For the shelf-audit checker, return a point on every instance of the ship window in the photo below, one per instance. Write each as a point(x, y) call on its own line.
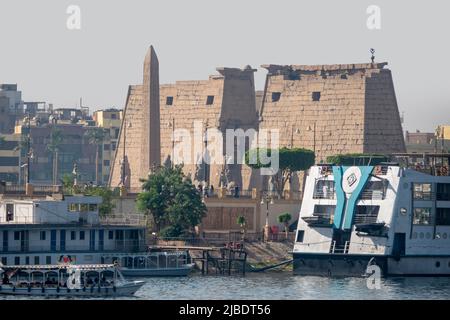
point(93, 207)
point(73, 235)
point(81, 235)
point(36, 260)
point(43, 235)
point(73, 207)
point(443, 216)
point(17, 261)
point(169, 101)
point(366, 214)
point(422, 191)
point(84, 207)
point(110, 234)
point(325, 212)
point(300, 235)
point(422, 216)
point(374, 190)
point(4, 261)
point(27, 260)
point(210, 100)
point(48, 259)
point(324, 189)
point(443, 192)
point(9, 212)
point(16, 235)
point(276, 96)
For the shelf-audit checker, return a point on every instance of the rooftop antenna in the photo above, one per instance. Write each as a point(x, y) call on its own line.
point(372, 51)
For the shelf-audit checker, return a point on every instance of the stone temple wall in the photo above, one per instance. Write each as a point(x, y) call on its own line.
point(333, 108)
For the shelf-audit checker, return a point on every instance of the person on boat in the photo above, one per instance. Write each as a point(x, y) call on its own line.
point(5, 279)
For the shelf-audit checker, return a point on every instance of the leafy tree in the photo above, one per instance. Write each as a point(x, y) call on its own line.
point(108, 195)
point(96, 136)
point(242, 222)
point(67, 183)
point(285, 218)
point(172, 201)
point(290, 161)
point(355, 159)
point(54, 145)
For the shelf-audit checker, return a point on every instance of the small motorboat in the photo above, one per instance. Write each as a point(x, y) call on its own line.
point(152, 264)
point(66, 280)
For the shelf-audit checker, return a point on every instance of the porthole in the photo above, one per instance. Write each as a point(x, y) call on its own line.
point(414, 235)
point(428, 236)
point(421, 235)
point(438, 264)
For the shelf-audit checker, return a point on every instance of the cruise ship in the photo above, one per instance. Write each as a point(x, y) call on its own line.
point(393, 215)
point(48, 228)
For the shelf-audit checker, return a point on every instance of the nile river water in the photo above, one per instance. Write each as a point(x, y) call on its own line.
point(285, 286)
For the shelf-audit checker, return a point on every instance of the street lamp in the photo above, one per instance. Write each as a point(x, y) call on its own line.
point(267, 199)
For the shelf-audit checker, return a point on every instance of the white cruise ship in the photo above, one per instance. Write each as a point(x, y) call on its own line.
point(391, 215)
point(46, 230)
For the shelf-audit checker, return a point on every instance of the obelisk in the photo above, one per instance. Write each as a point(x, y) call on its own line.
point(151, 139)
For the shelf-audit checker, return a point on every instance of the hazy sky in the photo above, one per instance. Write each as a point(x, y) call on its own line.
point(193, 37)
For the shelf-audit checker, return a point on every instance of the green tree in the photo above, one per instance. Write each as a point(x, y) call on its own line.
point(172, 200)
point(54, 145)
point(285, 218)
point(96, 136)
point(67, 183)
point(242, 222)
point(289, 162)
point(108, 195)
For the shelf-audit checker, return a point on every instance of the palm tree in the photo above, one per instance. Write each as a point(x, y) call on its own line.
point(242, 222)
point(284, 218)
point(96, 136)
point(56, 138)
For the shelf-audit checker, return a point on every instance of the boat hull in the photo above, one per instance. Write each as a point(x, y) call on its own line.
point(355, 265)
point(127, 289)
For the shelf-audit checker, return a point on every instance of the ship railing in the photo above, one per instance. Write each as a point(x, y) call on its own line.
point(107, 246)
point(319, 194)
point(373, 195)
point(424, 195)
point(125, 219)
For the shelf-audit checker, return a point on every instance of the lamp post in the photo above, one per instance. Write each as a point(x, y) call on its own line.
point(266, 199)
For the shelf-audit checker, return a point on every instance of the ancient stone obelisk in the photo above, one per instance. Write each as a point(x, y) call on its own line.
point(151, 139)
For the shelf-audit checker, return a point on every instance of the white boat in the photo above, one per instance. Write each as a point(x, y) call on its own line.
point(103, 280)
point(152, 264)
point(391, 215)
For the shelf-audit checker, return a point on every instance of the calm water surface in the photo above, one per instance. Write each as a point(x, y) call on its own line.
point(285, 286)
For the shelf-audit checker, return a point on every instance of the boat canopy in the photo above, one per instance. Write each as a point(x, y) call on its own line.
point(86, 267)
